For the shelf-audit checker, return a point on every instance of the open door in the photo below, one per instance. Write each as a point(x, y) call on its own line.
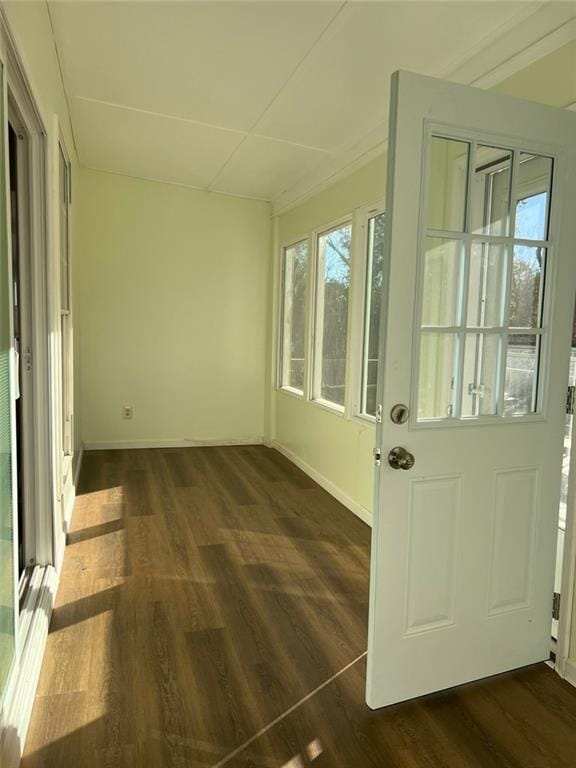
point(481, 251)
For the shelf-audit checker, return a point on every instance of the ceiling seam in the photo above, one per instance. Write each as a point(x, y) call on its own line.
point(165, 115)
point(299, 64)
point(65, 91)
point(200, 123)
point(154, 180)
point(278, 92)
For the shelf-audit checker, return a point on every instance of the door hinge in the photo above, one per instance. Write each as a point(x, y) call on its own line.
point(377, 453)
point(570, 397)
point(556, 606)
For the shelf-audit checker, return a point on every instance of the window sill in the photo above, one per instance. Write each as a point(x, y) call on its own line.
point(290, 392)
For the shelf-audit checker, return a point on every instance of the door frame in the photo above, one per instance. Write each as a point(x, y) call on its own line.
point(39, 456)
point(565, 667)
point(26, 382)
point(32, 617)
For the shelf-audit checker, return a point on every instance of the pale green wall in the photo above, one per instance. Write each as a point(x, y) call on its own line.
point(551, 80)
point(173, 288)
point(339, 449)
point(364, 186)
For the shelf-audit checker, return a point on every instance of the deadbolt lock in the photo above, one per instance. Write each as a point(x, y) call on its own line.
point(399, 413)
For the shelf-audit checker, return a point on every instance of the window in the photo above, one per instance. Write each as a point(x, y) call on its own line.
point(323, 377)
point(293, 339)
point(331, 321)
point(482, 277)
point(372, 309)
point(65, 304)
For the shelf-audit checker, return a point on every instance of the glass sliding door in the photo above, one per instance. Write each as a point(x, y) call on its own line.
point(7, 532)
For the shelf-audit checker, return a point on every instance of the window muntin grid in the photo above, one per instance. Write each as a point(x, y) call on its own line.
point(482, 281)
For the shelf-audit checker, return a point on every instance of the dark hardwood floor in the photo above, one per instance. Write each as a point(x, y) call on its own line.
point(212, 612)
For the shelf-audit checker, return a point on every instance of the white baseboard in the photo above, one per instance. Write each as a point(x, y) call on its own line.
point(78, 466)
point(328, 485)
point(68, 499)
point(17, 711)
point(177, 443)
point(570, 672)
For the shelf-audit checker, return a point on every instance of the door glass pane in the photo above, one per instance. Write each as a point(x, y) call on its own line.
point(525, 287)
point(436, 381)
point(7, 532)
point(441, 282)
point(491, 190)
point(486, 285)
point(534, 183)
point(521, 374)
point(334, 255)
point(294, 315)
point(374, 276)
point(480, 379)
point(448, 170)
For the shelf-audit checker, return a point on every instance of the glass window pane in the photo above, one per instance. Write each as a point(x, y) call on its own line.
point(486, 285)
point(525, 287)
point(447, 175)
point(64, 244)
point(480, 380)
point(374, 276)
point(491, 191)
point(436, 375)
point(334, 258)
point(294, 315)
point(441, 282)
point(534, 182)
point(7, 532)
point(521, 375)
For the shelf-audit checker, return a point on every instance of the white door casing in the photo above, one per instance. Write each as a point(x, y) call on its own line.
point(463, 544)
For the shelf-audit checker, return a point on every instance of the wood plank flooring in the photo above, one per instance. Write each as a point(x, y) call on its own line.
point(212, 605)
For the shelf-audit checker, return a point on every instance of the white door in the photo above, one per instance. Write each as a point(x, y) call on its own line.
point(481, 247)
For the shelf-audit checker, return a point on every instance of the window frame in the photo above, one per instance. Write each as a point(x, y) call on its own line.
point(517, 148)
point(280, 386)
point(66, 319)
point(360, 305)
point(316, 337)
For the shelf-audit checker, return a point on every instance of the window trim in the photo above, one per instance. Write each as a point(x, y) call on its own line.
point(359, 301)
point(355, 341)
point(66, 323)
point(314, 382)
point(280, 387)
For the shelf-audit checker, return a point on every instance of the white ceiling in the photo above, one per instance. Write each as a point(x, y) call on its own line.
point(251, 98)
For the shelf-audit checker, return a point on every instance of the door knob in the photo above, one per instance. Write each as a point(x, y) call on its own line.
point(400, 458)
